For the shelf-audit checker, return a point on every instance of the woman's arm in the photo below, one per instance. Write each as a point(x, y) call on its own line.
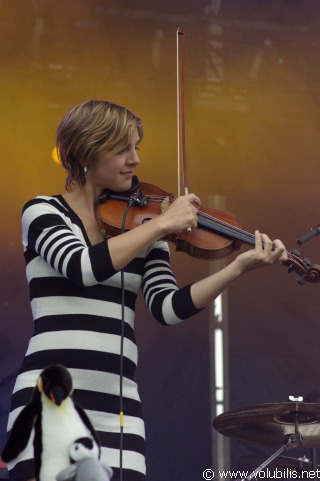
point(50, 236)
point(265, 253)
point(171, 305)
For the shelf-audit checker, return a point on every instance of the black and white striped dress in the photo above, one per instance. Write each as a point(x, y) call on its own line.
point(76, 301)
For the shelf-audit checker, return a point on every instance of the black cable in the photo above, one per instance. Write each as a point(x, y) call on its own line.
point(138, 200)
point(121, 348)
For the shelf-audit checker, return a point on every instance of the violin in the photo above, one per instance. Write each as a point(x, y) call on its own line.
point(217, 234)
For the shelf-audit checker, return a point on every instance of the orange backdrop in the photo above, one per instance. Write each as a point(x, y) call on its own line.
point(252, 96)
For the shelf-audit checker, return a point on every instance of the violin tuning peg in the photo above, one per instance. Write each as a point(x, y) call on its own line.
point(301, 280)
point(296, 252)
point(291, 268)
point(307, 261)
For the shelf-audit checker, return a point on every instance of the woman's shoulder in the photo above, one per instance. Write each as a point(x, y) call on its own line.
point(45, 211)
point(45, 202)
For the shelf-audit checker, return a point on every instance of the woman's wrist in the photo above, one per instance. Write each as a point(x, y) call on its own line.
point(238, 267)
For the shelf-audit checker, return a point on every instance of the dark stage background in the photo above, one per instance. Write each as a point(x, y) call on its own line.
point(252, 97)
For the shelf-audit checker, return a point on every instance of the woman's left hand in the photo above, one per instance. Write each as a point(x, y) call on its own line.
point(266, 252)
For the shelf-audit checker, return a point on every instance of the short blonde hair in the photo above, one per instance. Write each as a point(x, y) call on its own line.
point(87, 130)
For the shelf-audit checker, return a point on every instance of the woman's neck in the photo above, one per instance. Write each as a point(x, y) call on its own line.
point(84, 202)
point(83, 199)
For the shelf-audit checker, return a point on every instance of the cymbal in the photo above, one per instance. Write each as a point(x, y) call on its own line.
point(270, 423)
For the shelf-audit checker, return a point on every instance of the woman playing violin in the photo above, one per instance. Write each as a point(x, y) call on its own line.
point(77, 278)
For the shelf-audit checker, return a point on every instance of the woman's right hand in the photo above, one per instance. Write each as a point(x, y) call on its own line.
point(181, 214)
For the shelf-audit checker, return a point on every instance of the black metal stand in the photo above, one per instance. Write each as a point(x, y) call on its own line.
point(291, 441)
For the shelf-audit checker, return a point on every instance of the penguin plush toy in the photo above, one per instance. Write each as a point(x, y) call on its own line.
point(57, 423)
point(85, 464)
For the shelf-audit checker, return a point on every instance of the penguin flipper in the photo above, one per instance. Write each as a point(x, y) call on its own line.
point(20, 432)
point(107, 469)
point(85, 419)
point(67, 474)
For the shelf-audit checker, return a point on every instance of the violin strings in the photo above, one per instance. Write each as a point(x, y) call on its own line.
point(246, 236)
point(155, 199)
point(239, 230)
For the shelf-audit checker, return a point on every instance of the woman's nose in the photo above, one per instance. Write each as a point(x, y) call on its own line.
point(134, 158)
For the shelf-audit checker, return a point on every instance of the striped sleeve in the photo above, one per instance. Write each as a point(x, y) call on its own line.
point(49, 233)
point(167, 303)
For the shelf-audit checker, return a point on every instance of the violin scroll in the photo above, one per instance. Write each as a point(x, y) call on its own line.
point(307, 271)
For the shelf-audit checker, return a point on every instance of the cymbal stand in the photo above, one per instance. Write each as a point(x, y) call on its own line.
point(290, 441)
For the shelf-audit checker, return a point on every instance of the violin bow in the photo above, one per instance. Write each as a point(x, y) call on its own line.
point(303, 267)
point(181, 42)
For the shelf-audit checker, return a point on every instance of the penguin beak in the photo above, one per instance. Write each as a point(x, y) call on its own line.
point(57, 395)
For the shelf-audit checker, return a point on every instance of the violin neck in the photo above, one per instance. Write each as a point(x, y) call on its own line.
point(226, 230)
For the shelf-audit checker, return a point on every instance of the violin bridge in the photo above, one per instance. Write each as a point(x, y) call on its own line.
point(165, 204)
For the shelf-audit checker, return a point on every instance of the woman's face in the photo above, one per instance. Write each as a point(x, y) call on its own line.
point(115, 171)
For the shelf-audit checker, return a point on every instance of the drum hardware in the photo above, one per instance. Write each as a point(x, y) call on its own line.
point(290, 467)
point(290, 424)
